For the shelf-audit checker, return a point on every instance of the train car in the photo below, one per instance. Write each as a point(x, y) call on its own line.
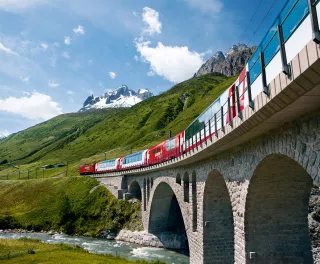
point(166, 150)
point(87, 169)
point(217, 113)
point(135, 160)
point(107, 166)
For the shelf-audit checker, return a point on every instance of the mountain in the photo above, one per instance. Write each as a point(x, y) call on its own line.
point(228, 64)
point(118, 98)
point(87, 135)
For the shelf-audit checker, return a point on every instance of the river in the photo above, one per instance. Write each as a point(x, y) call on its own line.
point(103, 246)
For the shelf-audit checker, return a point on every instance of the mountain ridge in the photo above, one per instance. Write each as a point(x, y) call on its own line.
point(121, 97)
point(229, 64)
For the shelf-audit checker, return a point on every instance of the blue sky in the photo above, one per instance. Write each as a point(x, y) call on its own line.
point(55, 53)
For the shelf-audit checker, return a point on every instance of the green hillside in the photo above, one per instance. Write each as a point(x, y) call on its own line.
point(73, 205)
point(75, 137)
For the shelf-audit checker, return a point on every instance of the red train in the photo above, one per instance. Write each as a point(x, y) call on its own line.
point(218, 114)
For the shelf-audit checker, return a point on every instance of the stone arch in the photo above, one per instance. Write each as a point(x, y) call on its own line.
point(194, 202)
point(178, 179)
point(186, 187)
point(276, 224)
point(165, 218)
point(218, 228)
point(135, 190)
point(144, 194)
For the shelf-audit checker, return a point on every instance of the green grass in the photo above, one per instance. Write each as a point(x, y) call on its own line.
point(84, 137)
point(33, 251)
point(75, 205)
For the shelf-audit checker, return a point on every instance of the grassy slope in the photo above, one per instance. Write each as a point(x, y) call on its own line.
point(141, 126)
point(33, 251)
point(74, 205)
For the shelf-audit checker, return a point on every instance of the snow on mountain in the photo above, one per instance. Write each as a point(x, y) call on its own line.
point(120, 97)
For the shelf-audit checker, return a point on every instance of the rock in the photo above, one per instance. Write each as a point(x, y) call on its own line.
point(230, 64)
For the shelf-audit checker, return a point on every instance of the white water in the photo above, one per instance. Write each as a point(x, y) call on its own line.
point(103, 246)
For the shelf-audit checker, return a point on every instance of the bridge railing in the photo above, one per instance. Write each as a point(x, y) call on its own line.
point(295, 26)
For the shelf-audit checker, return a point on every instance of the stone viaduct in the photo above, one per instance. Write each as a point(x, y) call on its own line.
point(242, 197)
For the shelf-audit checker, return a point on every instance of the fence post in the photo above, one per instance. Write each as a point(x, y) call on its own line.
point(285, 66)
point(229, 113)
point(222, 121)
point(215, 124)
point(314, 22)
point(251, 103)
point(263, 74)
point(238, 103)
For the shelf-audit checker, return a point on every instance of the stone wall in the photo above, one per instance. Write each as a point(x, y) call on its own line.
point(298, 141)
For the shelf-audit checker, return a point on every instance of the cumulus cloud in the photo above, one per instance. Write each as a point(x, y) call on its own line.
point(173, 63)
point(136, 58)
point(7, 50)
point(70, 92)
point(38, 106)
point(53, 84)
point(112, 75)
point(151, 19)
point(25, 79)
point(79, 30)
point(206, 6)
point(67, 40)
point(66, 55)
point(44, 46)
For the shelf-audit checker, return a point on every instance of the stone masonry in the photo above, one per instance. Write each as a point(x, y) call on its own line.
point(250, 204)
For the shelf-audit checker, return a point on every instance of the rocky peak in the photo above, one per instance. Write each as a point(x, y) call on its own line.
point(230, 64)
point(119, 97)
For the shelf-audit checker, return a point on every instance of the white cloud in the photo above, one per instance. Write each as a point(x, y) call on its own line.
point(151, 73)
point(7, 50)
point(135, 14)
point(67, 40)
point(136, 58)
point(175, 64)
point(19, 5)
point(38, 106)
point(79, 30)
point(44, 46)
point(70, 92)
point(66, 55)
point(151, 19)
point(53, 84)
point(206, 6)
point(25, 79)
point(4, 134)
point(112, 75)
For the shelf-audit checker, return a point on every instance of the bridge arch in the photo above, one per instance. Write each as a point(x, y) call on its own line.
point(276, 223)
point(135, 190)
point(218, 228)
point(167, 217)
